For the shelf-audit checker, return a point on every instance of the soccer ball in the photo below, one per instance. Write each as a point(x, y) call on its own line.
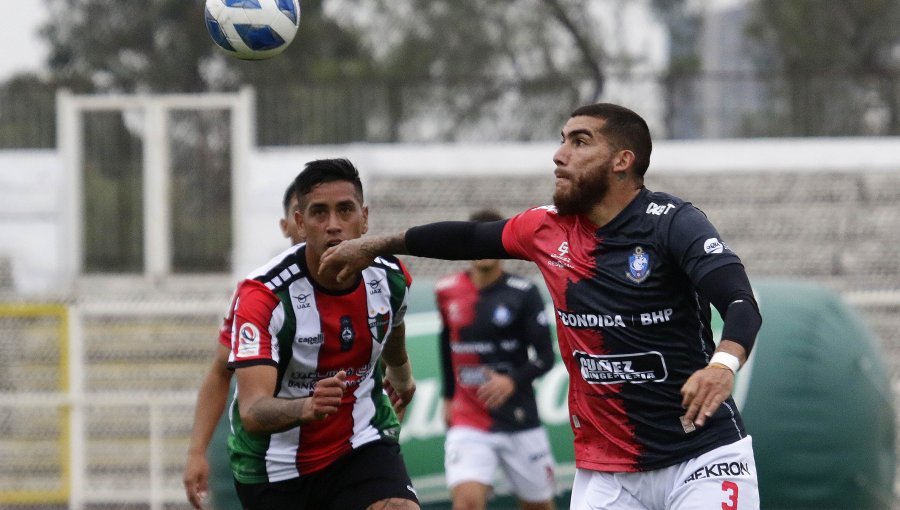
point(252, 29)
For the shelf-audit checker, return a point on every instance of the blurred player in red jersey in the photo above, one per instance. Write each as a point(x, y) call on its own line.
point(213, 393)
point(632, 274)
point(491, 319)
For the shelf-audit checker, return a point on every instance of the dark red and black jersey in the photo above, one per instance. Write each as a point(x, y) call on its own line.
point(631, 326)
point(492, 328)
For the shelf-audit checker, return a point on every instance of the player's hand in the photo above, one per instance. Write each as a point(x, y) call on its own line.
point(496, 390)
point(345, 259)
point(704, 392)
point(196, 479)
point(400, 387)
point(325, 399)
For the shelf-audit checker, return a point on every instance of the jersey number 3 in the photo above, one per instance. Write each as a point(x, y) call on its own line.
point(732, 489)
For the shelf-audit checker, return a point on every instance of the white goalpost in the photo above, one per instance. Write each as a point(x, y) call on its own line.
point(152, 112)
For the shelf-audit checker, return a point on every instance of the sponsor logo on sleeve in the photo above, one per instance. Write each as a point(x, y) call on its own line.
point(248, 340)
point(713, 245)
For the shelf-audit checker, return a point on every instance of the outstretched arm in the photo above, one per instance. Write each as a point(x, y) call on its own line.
point(447, 240)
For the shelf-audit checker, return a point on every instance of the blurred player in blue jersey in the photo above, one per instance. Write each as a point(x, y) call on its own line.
point(490, 320)
point(631, 273)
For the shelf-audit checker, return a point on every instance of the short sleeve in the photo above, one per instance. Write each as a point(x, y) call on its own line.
point(695, 244)
point(251, 342)
point(518, 233)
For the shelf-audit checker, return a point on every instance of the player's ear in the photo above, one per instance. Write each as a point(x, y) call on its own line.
point(365, 212)
point(623, 160)
point(298, 220)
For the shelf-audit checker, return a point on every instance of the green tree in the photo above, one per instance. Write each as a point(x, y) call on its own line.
point(27, 112)
point(835, 65)
point(384, 70)
point(514, 67)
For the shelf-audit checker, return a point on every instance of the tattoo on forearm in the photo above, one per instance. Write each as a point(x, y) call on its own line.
point(278, 414)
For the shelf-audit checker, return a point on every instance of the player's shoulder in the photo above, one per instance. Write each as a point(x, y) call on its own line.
point(393, 266)
point(281, 269)
point(664, 210)
point(659, 203)
point(540, 218)
point(389, 262)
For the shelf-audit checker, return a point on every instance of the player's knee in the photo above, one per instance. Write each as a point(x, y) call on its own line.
point(470, 496)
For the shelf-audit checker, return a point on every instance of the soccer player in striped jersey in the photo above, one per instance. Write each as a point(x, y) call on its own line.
point(491, 320)
point(631, 273)
point(314, 423)
point(212, 396)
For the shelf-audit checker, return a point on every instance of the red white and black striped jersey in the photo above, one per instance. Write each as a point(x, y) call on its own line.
point(282, 318)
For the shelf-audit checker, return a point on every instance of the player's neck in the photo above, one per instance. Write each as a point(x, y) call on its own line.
point(483, 278)
point(615, 201)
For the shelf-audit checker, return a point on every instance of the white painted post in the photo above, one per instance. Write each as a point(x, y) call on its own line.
point(157, 210)
point(76, 403)
point(243, 138)
point(157, 498)
point(70, 137)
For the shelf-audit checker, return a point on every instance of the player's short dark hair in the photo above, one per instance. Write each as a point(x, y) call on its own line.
point(485, 215)
point(327, 170)
point(625, 129)
point(289, 193)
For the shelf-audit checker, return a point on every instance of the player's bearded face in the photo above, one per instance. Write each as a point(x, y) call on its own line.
point(584, 190)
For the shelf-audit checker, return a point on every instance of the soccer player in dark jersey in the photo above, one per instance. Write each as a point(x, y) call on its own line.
point(321, 366)
point(631, 273)
point(490, 320)
point(212, 396)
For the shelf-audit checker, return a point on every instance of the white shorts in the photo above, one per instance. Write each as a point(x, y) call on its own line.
point(472, 455)
point(722, 478)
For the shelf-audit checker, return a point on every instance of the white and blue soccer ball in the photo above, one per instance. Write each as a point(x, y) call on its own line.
point(252, 29)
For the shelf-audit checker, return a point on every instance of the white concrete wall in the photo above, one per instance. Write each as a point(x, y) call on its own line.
point(32, 213)
point(30, 217)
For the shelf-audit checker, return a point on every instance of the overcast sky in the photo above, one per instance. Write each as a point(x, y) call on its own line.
point(22, 49)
